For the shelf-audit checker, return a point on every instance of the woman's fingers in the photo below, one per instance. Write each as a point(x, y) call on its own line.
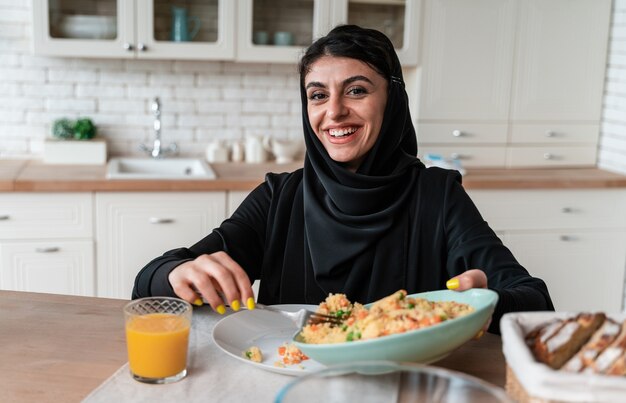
point(217, 278)
point(474, 278)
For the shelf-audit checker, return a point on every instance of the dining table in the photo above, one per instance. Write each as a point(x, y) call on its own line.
point(63, 348)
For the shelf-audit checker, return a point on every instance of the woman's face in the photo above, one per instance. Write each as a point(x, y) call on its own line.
point(346, 102)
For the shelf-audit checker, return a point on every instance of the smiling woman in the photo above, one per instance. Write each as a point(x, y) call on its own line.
point(363, 218)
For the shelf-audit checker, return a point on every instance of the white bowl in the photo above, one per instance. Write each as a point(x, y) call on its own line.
point(88, 27)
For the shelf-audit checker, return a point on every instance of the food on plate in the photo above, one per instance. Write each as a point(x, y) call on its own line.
point(290, 355)
point(587, 343)
point(253, 353)
point(393, 314)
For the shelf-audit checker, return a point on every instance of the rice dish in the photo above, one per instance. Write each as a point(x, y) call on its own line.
point(393, 314)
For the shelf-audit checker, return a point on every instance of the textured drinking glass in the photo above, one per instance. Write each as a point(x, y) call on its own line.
point(157, 338)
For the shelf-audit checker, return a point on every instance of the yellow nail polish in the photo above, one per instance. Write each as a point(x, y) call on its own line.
point(235, 305)
point(250, 303)
point(197, 302)
point(221, 309)
point(453, 284)
point(479, 334)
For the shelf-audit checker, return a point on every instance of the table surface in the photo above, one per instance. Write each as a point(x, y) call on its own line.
point(59, 348)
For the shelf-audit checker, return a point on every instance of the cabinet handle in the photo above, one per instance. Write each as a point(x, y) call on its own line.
point(4, 217)
point(49, 249)
point(549, 156)
point(457, 133)
point(567, 210)
point(128, 46)
point(142, 46)
point(157, 220)
point(550, 133)
point(567, 238)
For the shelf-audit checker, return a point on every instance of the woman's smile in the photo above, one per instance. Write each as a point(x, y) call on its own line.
point(346, 103)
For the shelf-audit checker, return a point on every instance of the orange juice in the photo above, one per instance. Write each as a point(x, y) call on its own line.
point(157, 344)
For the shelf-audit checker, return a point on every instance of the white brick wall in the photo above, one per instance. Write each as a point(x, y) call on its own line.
point(201, 101)
point(612, 147)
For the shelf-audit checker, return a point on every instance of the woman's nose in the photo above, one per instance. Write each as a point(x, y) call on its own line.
point(336, 108)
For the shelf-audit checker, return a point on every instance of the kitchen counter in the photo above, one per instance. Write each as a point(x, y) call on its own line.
point(59, 348)
point(34, 176)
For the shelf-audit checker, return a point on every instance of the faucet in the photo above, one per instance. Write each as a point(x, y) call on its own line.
point(157, 151)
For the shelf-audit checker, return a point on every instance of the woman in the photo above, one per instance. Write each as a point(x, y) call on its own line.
point(363, 217)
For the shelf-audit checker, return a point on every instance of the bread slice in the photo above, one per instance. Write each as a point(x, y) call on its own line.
point(608, 359)
point(600, 340)
point(558, 343)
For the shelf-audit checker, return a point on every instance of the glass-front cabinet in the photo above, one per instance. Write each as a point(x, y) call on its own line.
point(268, 31)
point(279, 30)
point(185, 29)
point(398, 19)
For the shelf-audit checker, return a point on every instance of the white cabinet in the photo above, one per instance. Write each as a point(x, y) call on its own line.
point(575, 240)
point(135, 29)
point(235, 197)
point(133, 228)
point(46, 243)
point(278, 31)
point(522, 79)
point(398, 19)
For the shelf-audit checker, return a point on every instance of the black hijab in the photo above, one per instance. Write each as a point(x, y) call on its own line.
point(356, 223)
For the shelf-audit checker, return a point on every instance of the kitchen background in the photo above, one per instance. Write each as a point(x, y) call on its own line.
point(201, 100)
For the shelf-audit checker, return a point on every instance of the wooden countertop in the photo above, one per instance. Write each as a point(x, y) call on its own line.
point(58, 348)
point(34, 176)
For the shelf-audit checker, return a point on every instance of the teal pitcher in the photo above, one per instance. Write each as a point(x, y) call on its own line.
point(180, 25)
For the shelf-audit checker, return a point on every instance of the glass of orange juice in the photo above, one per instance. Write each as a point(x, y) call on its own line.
point(157, 338)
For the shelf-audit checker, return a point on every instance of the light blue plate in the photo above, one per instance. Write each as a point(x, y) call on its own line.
point(422, 345)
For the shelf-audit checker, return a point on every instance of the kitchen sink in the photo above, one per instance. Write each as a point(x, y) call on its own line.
point(159, 168)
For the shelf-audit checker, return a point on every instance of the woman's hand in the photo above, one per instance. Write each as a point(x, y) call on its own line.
point(474, 278)
point(213, 276)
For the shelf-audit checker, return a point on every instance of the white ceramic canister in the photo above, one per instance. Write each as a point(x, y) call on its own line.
point(237, 152)
point(217, 151)
point(255, 151)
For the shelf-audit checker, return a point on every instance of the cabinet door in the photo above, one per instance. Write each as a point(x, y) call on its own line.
point(96, 28)
point(584, 271)
point(234, 200)
point(398, 19)
point(276, 31)
point(134, 228)
point(561, 58)
point(467, 59)
point(201, 29)
point(56, 266)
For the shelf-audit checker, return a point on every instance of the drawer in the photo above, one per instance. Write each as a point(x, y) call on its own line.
point(575, 264)
point(552, 209)
point(552, 156)
point(461, 133)
point(555, 133)
point(46, 215)
point(470, 156)
point(51, 266)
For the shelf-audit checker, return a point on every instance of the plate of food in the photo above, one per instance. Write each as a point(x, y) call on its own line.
point(263, 338)
point(421, 328)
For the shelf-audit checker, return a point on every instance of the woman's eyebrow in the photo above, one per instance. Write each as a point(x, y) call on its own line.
point(352, 79)
point(347, 81)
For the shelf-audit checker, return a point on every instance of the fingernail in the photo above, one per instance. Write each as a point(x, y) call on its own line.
point(235, 305)
point(198, 302)
point(480, 334)
point(453, 284)
point(250, 303)
point(221, 309)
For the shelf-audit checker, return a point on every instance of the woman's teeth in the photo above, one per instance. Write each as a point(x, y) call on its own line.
point(341, 132)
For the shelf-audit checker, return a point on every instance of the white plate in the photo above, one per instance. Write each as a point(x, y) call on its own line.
point(265, 329)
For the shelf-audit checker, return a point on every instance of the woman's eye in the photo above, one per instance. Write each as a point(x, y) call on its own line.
point(357, 91)
point(316, 96)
